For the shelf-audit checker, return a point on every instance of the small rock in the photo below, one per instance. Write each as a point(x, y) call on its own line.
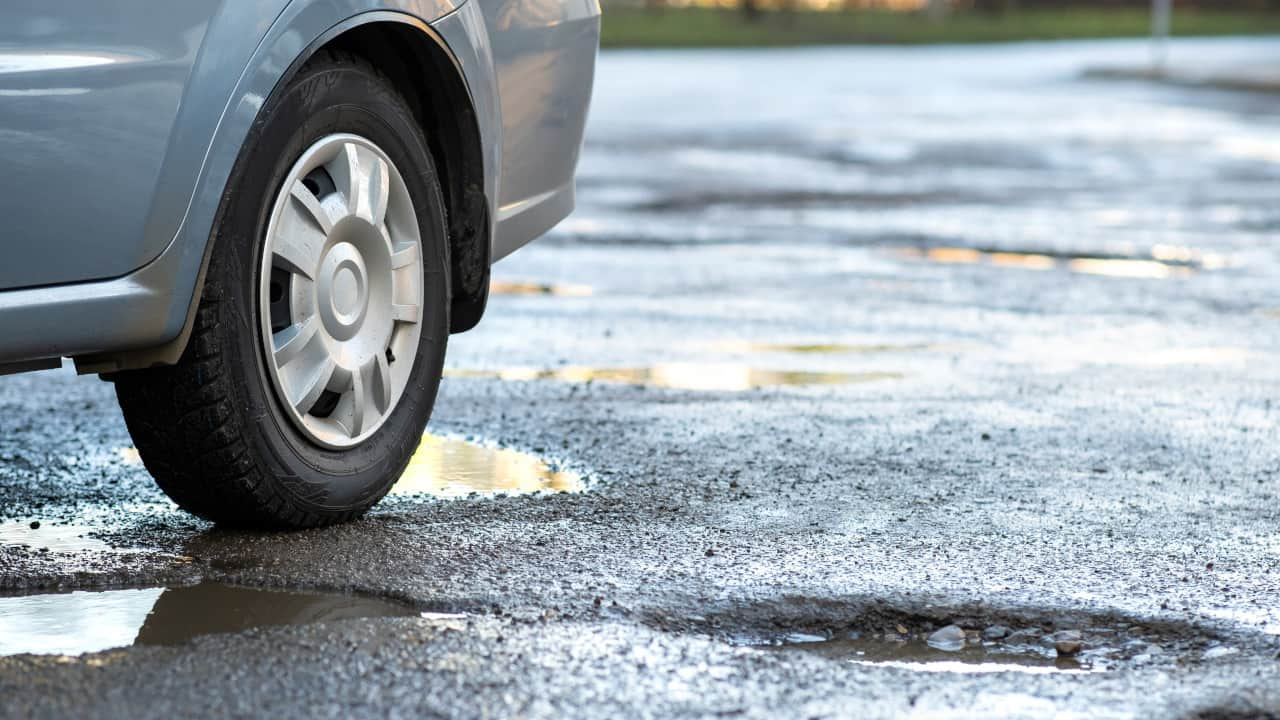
point(1066, 642)
point(986, 436)
point(35, 524)
point(995, 632)
point(1065, 636)
point(710, 552)
point(902, 629)
point(1219, 651)
point(1068, 647)
point(949, 639)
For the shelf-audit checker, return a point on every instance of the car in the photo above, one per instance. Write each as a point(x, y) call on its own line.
point(262, 220)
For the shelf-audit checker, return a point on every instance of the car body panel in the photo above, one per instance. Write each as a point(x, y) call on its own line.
point(150, 305)
point(81, 163)
point(544, 51)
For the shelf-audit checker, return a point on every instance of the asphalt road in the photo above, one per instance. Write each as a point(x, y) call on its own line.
point(846, 346)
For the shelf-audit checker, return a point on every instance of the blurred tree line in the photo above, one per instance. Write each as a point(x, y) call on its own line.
point(753, 9)
point(1008, 5)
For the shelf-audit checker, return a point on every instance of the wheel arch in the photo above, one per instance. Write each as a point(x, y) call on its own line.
point(421, 67)
point(454, 97)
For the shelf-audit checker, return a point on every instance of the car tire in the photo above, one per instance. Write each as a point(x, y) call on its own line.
point(228, 432)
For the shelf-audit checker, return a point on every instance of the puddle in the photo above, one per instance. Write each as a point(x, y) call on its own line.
point(514, 287)
point(442, 466)
point(687, 202)
point(50, 537)
point(1165, 262)
point(739, 346)
point(916, 654)
point(681, 376)
point(450, 468)
point(961, 640)
point(82, 622)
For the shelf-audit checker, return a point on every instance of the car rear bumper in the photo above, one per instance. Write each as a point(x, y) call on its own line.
point(139, 310)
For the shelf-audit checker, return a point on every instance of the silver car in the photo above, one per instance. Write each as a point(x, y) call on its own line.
point(262, 219)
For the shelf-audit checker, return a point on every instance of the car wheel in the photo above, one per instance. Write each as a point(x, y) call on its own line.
point(320, 336)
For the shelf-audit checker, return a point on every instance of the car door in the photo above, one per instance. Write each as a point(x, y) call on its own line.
point(89, 91)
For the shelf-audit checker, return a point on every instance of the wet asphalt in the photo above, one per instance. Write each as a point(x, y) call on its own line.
point(846, 345)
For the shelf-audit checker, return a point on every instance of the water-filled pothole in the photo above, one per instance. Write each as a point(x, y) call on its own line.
point(450, 467)
point(91, 621)
point(682, 376)
point(517, 287)
point(44, 536)
point(934, 638)
point(917, 653)
point(1163, 263)
point(821, 348)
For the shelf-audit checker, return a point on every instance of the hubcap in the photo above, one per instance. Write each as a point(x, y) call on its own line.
point(340, 295)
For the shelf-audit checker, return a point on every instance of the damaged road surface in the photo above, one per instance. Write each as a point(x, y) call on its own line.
point(943, 388)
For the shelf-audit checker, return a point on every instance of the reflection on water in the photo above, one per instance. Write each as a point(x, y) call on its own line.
point(80, 622)
point(441, 466)
point(682, 376)
point(448, 467)
point(50, 536)
point(1190, 356)
point(510, 287)
point(1165, 262)
point(917, 655)
point(817, 348)
point(1127, 268)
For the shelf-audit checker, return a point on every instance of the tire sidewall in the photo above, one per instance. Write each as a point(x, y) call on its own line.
point(320, 102)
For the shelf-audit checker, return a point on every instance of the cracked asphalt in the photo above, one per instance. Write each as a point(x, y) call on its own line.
point(931, 336)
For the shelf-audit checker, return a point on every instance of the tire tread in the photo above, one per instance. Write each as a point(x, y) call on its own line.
point(183, 418)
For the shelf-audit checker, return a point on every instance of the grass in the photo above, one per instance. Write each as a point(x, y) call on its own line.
point(697, 27)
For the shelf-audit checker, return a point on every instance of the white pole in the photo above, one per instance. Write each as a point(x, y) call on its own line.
point(1161, 10)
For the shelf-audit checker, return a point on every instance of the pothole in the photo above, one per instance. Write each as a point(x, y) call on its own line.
point(91, 621)
point(1076, 647)
point(796, 199)
point(519, 287)
point(1024, 654)
point(821, 348)
point(933, 638)
point(443, 466)
point(86, 537)
point(1164, 262)
point(452, 467)
point(681, 376)
point(44, 536)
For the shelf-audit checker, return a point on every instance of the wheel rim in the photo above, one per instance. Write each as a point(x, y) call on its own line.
point(340, 290)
